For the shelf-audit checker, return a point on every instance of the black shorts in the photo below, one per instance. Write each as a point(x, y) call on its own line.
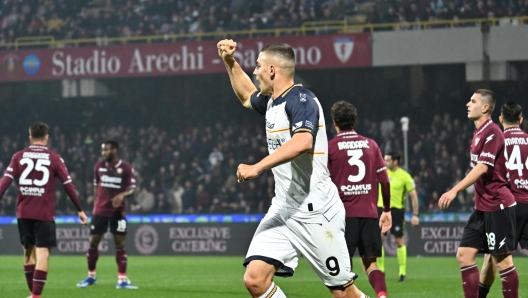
point(521, 212)
point(37, 233)
point(99, 225)
point(491, 232)
point(398, 221)
point(363, 234)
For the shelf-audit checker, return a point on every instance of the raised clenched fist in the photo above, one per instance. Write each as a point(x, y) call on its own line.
point(226, 48)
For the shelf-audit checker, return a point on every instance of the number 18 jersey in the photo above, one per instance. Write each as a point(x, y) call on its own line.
point(355, 165)
point(35, 170)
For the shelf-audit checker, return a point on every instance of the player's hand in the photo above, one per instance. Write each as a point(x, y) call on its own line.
point(446, 199)
point(83, 218)
point(117, 200)
point(415, 221)
point(385, 221)
point(226, 49)
point(247, 172)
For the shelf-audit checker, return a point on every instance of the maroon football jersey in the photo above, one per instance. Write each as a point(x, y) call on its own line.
point(516, 142)
point(355, 165)
point(492, 191)
point(35, 170)
point(111, 180)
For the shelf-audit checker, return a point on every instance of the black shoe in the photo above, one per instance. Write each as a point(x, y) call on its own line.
point(402, 278)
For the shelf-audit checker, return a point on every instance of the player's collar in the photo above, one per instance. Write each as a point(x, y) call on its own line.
point(484, 125)
point(513, 129)
point(347, 132)
point(38, 146)
point(117, 164)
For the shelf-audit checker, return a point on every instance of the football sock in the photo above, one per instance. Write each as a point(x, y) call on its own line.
point(401, 252)
point(381, 260)
point(29, 270)
point(377, 280)
point(483, 290)
point(121, 260)
point(274, 292)
point(39, 279)
point(121, 277)
point(470, 281)
point(92, 255)
point(510, 282)
point(91, 273)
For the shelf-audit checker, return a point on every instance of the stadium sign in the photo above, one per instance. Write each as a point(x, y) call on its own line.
point(193, 57)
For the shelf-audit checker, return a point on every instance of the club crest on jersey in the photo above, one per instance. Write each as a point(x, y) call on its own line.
point(343, 48)
point(477, 141)
point(119, 170)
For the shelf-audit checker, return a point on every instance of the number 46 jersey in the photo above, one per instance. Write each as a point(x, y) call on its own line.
point(35, 170)
point(356, 166)
point(516, 151)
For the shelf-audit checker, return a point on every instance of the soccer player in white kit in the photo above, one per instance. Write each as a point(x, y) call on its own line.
point(306, 216)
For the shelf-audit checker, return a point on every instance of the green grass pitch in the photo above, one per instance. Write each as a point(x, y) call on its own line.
point(190, 277)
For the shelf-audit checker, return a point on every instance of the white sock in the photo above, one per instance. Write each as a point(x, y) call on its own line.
point(273, 292)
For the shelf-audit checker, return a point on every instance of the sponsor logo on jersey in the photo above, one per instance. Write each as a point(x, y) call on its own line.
point(297, 125)
point(353, 145)
point(487, 154)
point(111, 182)
point(36, 155)
point(273, 144)
point(521, 183)
point(269, 125)
point(357, 189)
point(103, 170)
point(32, 191)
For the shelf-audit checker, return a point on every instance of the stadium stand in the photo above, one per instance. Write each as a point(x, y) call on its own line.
point(77, 19)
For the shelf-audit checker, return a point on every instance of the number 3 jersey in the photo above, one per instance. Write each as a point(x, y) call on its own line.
point(303, 187)
point(111, 180)
point(516, 153)
point(356, 166)
point(35, 170)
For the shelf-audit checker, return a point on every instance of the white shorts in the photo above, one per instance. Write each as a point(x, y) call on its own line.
point(280, 239)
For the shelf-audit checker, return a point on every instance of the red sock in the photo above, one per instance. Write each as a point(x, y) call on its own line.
point(29, 270)
point(377, 280)
point(39, 279)
point(510, 282)
point(470, 281)
point(483, 290)
point(121, 260)
point(92, 255)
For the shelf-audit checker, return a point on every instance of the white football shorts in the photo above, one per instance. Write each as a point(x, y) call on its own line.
point(280, 240)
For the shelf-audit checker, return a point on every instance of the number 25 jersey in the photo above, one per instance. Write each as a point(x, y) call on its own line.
point(35, 170)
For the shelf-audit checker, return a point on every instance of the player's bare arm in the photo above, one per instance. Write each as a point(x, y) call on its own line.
point(385, 221)
point(240, 81)
point(83, 218)
point(298, 145)
point(479, 170)
point(118, 200)
point(415, 220)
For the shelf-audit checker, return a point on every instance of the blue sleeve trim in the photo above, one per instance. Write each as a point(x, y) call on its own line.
point(259, 102)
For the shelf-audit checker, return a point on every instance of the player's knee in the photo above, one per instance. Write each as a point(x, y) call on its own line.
point(464, 258)
point(255, 283)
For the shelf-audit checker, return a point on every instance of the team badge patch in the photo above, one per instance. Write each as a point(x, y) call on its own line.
point(476, 141)
point(119, 170)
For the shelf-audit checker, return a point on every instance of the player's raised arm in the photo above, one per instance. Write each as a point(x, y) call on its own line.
point(240, 81)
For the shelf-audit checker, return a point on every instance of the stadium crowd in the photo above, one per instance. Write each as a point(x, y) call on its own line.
point(193, 171)
point(77, 19)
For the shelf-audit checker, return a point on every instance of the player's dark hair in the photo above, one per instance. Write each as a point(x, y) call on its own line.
point(113, 144)
point(344, 115)
point(395, 156)
point(490, 98)
point(38, 130)
point(511, 113)
point(280, 49)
